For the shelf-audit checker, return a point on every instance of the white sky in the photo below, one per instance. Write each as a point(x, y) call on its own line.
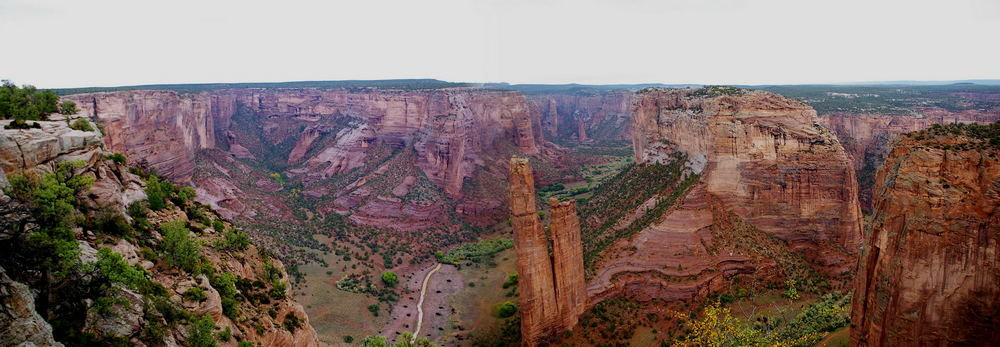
point(72, 43)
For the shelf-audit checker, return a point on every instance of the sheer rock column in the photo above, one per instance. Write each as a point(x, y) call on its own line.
point(537, 302)
point(567, 262)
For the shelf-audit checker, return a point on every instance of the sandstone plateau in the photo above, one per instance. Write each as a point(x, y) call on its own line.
point(930, 266)
point(771, 188)
point(552, 294)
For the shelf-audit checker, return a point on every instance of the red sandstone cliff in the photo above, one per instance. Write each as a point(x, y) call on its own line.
point(583, 115)
point(931, 263)
point(766, 158)
point(868, 137)
point(771, 182)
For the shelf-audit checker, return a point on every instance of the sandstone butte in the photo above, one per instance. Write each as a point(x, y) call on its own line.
point(767, 171)
point(552, 295)
point(929, 270)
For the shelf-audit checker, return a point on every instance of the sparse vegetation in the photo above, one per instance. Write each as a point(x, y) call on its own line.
point(474, 251)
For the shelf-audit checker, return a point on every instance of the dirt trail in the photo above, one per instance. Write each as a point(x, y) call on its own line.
point(420, 303)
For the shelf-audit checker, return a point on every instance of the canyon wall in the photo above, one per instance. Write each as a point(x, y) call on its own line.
point(450, 129)
point(163, 128)
point(583, 115)
point(762, 191)
point(930, 266)
point(867, 137)
point(767, 159)
point(551, 289)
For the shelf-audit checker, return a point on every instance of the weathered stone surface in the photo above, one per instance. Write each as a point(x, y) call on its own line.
point(537, 297)
point(767, 159)
point(868, 137)
point(931, 263)
point(123, 318)
point(40, 150)
point(161, 127)
point(19, 322)
point(567, 262)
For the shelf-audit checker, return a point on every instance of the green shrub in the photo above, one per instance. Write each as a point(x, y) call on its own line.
point(115, 269)
point(225, 335)
point(186, 194)
point(200, 333)
point(112, 222)
point(506, 309)
point(390, 278)
point(181, 248)
point(373, 308)
point(278, 289)
point(475, 250)
point(82, 125)
point(233, 240)
point(67, 108)
point(118, 158)
point(511, 281)
point(244, 344)
point(195, 294)
point(292, 322)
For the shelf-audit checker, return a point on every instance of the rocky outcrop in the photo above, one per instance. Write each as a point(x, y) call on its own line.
point(766, 158)
point(116, 309)
point(42, 149)
point(20, 324)
point(552, 295)
point(930, 264)
point(567, 262)
point(868, 137)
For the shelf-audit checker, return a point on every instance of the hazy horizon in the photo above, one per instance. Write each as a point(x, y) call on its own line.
point(738, 42)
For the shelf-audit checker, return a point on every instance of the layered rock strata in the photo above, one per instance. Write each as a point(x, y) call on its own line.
point(551, 289)
point(931, 263)
point(766, 158)
point(584, 115)
point(868, 137)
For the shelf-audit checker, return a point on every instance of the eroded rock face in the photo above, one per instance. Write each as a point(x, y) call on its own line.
point(584, 115)
point(37, 151)
point(868, 138)
point(537, 297)
point(766, 158)
point(552, 293)
point(20, 323)
point(42, 149)
point(929, 269)
point(567, 262)
point(161, 127)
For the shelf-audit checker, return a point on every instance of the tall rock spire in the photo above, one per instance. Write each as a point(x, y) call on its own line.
point(552, 290)
point(537, 301)
point(567, 262)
